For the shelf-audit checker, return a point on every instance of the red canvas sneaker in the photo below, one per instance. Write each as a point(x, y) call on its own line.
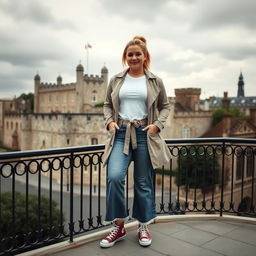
point(118, 233)
point(144, 235)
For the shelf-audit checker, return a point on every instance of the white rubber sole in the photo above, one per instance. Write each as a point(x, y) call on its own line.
point(107, 245)
point(145, 243)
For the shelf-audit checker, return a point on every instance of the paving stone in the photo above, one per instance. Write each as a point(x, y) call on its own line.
point(172, 246)
point(216, 227)
point(168, 228)
point(230, 247)
point(194, 236)
point(244, 234)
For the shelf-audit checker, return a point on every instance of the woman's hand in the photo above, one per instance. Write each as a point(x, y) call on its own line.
point(113, 126)
point(151, 128)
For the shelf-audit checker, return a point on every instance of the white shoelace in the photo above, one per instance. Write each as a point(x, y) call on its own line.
point(113, 233)
point(143, 230)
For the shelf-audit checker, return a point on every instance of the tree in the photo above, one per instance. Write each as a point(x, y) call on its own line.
point(197, 167)
point(30, 227)
point(219, 113)
point(29, 102)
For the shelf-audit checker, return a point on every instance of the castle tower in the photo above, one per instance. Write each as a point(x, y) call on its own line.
point(104, 73)
point(79, 88)
point(59, 80)
point(36, 90)
point(188, 98)
point(240, 91)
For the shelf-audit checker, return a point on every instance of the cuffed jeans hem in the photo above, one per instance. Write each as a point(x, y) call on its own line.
point(106, 222)
point(146, 223)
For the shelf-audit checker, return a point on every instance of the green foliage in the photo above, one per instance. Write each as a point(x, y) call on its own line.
point(197, 168)
point(28, 96)
point(99, 105)
point(219, 113)
point(29, 99)
point(33, 225)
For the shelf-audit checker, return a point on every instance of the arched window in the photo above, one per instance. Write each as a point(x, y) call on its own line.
point(94, 141)
point(186, 132)
point(94, 96)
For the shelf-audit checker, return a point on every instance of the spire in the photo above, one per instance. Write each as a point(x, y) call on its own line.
point(240, 91)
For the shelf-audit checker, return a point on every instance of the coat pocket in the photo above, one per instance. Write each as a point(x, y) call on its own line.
point(158, 150)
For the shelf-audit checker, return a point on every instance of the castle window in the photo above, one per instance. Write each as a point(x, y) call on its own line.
point(94, 141)
point(93, 98)
point(11, 125)
point(68, 141)
point(7, 125)
point(16, 126)
point(186, 132)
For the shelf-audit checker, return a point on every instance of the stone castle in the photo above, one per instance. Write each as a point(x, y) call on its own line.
point(64, 114)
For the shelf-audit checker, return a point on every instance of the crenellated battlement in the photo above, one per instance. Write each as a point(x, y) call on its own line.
point(54, 86)
point(194, 114)
point(93, 78)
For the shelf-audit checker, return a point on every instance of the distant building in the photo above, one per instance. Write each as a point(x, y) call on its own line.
point(241, 166)
point(187, 119)
point(64, 114)
point(241, 101)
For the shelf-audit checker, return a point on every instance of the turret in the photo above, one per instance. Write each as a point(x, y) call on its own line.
point(37, 80)
point(104, 73)
point(79, 88)
point(59, 80)
point(79, 72)
point(240, 91)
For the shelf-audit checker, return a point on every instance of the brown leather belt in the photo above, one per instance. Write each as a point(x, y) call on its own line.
point(130, 134)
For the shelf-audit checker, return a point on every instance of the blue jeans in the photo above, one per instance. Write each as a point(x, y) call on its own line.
point(118, 163)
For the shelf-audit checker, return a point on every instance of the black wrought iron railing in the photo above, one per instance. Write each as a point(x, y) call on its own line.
point(50, 195)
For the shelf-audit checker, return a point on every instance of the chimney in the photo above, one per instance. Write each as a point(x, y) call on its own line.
point(253, 116)
point(225, 101)
point(226, 125)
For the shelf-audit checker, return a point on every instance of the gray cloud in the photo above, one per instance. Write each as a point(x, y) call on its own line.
point(134, 9)
point(33, 11)
point(219, 13)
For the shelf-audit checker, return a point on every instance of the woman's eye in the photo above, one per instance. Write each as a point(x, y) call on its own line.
point(130, 55)
point(138, 54)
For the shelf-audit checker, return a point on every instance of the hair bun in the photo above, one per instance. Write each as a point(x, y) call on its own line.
point(141, 38)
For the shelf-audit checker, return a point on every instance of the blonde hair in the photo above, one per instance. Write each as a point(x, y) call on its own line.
point(142, 42)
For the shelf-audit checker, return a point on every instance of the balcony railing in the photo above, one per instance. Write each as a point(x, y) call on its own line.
point(50, 195)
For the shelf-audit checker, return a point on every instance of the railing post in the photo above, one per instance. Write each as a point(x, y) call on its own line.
point(71, 223)
point(223, 150)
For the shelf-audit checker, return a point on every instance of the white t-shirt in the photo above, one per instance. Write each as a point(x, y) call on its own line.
point(133, 98)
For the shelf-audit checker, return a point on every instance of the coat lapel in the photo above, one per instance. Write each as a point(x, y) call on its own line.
point(153, 89)
point(115, 93)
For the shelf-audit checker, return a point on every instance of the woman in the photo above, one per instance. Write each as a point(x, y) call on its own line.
point(135, 111)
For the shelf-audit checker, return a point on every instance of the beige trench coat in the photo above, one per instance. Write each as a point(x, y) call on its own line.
point(158, 111)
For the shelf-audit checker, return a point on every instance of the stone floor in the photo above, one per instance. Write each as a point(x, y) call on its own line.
point(181, 238)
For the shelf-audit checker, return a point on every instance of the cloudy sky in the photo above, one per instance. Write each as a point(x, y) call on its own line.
point(193, 43)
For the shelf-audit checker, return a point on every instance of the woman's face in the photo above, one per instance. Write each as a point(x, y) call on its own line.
point(135, 57)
